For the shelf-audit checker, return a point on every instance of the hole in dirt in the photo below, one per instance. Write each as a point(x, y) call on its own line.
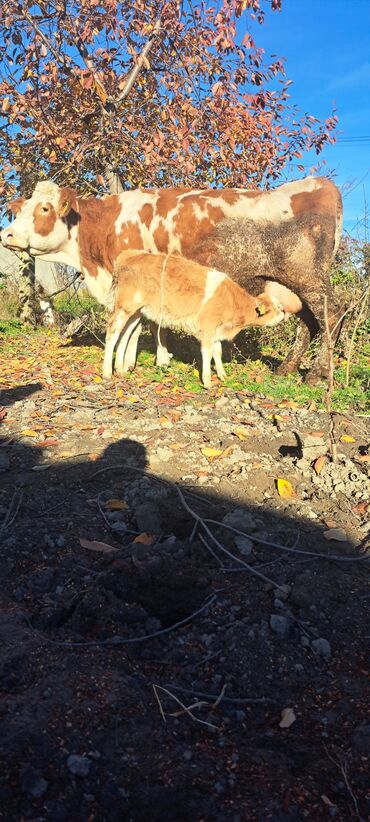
point(172, 605)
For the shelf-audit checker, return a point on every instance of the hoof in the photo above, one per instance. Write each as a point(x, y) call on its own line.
point(286, 368)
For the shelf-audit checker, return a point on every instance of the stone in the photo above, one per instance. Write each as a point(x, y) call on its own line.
point(240, 519)
point(321, 647)
point(148, 518)
point(280, 625)
point(78, 765)
point(244, 545)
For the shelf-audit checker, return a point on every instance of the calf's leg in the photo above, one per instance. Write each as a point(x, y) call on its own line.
point(217, 356)
point(163, 356)
point(131, 329)
point(116, 322)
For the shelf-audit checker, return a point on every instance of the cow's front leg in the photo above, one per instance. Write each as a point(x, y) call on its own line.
point(163, 356)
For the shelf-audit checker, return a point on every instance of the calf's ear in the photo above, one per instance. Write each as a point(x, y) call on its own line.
point(260, 307)
point(16, 205)
point(67, 201)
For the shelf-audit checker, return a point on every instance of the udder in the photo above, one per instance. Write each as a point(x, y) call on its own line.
point(288, 300)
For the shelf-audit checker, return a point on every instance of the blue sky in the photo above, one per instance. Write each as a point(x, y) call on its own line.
point(326, 44)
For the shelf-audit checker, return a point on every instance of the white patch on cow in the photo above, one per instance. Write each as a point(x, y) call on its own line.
point(272, 206)
point(131, 203)
point(137, 298)
point(199, 212)
point(98, 286)
point(214, 279)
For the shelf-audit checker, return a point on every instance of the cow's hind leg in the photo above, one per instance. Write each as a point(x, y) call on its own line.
point(320, 367)
point(307, 328)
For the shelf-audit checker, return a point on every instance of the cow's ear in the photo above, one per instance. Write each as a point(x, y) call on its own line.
point(16, 205)
point(67, 201)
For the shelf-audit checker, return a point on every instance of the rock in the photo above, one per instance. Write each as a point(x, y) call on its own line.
point(32, 783)
point(78, 765)
point(321, 647)
point(244, 545)
point(164, 454)
point(240, 519)
point(280, 625)
point(148, 518)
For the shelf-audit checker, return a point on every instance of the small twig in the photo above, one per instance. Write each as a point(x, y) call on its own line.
point(185, 709)
point(235, 700)
point(220, 697)
point(330, 388)
point(357, 323)
point(12, 511)
point(343, 767)
point(137, 639)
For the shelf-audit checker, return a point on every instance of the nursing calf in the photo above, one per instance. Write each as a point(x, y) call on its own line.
point(180, 294)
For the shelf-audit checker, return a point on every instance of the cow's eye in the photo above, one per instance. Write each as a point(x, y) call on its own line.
point(44, 209)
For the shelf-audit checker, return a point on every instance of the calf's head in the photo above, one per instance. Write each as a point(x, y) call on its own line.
point(269, 310)
point(42, 223)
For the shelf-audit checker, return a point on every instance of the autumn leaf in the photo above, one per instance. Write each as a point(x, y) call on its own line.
point(347, 438)
point(101, 547)
point(144, 539)
point(319, 464)
point(241, 433)
point(211, 453)
point(362, 458)
point(29, 432)
point(285, 489)
point(115, 505)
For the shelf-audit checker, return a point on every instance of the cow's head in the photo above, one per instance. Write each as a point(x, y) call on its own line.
point(42, 224)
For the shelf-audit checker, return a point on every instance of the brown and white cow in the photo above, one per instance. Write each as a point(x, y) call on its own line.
point(178, 293)
point(288, 234)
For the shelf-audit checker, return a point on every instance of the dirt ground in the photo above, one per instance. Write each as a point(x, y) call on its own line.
point(156, 665)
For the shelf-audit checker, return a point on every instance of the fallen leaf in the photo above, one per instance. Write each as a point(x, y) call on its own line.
point(285, 488)
point(100, 430)
point(362, 458)
point(102, 547)
point(227, 452)
point(287, 718)
point(319, 464)
point(241, 433)
point(316, 434)
point(115, 505)
point(3, 414)
point(337, 534)
point(211, 453)
point(144, 539)
point(48, 443)
point(361, 508)
point(312, 406)
point(29, 432)
point(347, 438)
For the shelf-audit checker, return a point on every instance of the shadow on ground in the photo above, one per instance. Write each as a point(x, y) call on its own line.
point(147, 679)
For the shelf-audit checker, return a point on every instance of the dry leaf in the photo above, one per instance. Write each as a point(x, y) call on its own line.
point(28, 432)
point(347, 438)
point(102, 547)
point(362, 458)
point(285, 488)
point(338, 534)
point(145, 539)
point(319, 464)
point(287, 718)
point(241, 433)
point(227, 452)
point(361, 508)
point(115, 505)
point(211, 453)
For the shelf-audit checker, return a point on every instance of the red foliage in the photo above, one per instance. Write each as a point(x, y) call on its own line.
point(204, 109)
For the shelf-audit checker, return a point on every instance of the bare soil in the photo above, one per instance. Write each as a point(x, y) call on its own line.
point(145, 681)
